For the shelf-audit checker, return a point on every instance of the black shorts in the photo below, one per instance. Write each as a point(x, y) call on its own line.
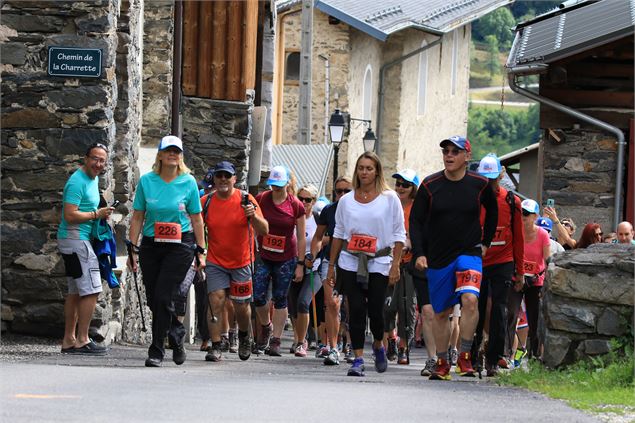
point(421, 288)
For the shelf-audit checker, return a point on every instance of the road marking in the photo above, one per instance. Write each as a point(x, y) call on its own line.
point(45, 396)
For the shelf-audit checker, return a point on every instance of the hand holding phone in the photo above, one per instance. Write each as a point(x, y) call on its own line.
point(550, 202)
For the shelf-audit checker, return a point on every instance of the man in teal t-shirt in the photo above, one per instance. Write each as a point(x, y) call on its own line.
point(80, 202)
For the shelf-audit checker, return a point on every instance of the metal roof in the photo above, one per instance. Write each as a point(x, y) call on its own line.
point(570, 31)
point(309, 163)
point(379, 19)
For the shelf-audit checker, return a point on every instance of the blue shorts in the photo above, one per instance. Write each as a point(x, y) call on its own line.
point(446, 285)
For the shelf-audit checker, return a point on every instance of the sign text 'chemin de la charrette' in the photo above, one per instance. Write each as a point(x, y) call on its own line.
point(70, 61)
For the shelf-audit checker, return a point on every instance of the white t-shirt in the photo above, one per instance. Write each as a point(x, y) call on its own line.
point(310, 228)
point(382, 218)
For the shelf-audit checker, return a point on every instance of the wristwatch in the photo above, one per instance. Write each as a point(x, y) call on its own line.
point(200, 250)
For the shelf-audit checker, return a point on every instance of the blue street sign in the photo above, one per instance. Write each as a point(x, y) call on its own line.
point(71, 61)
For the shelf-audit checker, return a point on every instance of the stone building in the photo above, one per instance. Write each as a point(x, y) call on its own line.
point(363, 63)
point(586, 95)
point(136, 98)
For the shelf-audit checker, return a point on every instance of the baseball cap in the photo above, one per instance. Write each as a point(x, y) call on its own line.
point(225, 166)
point(207, 182)
point(545, 223)
point(459, 141)
point(278, 176)
point(170, 141)
point(490, 166)
point(531, 206)
point(407, 175)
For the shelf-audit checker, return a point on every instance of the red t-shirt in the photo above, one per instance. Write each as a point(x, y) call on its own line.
point(281, 242)
point(227, 235)
point(506, 247)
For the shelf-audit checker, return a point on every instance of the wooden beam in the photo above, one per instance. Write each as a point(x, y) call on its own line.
point(589, 98)
point(597, 69)
point(234, 50)
point(219, 51)
point(551, 118)
point(204, 80)
point(250, 35)
point(190, 47)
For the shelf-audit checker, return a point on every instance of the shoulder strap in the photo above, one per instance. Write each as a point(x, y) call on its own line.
point(511, 200)
point(206, 205)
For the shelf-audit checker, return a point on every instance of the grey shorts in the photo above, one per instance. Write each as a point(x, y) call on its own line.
point(237, 281)
point(82, 267)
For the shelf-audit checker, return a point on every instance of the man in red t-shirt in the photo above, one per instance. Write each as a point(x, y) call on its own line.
point(229, 220)
point(503, 260)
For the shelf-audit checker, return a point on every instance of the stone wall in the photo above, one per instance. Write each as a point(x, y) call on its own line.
point(579, 174)
point(158, 40)
point(588, 299)
point(215, 130)
point(47, 123)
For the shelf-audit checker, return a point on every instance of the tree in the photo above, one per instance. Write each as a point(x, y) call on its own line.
point(497, 23)
point(493, 63)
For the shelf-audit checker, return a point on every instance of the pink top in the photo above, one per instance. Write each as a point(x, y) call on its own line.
point(534, 257)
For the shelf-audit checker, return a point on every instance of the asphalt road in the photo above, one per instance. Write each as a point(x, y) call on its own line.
point(41, 385)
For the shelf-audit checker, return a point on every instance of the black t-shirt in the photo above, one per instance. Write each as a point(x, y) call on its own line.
point(327, 218)
point(445, 218)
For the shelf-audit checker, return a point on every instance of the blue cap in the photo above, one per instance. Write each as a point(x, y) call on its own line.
point(225, 166)
point(279, 176)
point(545, 223)
point(490, 166)
point(459, 141)
point(408, 175)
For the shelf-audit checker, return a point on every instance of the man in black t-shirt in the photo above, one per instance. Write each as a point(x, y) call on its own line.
point(448, 240)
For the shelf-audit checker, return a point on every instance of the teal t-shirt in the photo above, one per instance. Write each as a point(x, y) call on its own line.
point(82, 192)
point(167, 202)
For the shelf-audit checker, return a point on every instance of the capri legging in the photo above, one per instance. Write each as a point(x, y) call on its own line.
point(364, 302)
point(280, 274)
point(300, 294)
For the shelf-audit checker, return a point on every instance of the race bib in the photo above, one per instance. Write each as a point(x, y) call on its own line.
point(468, 280)
point(499, 236)
point(530, 268)
point(362, 244)
point(240, 291)
point(167, 232)
point(274, 243)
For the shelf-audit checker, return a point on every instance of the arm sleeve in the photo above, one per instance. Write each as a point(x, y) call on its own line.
point(488, 200)
point(398, 227)
point(418, 218)
point(139, 202)
point(73, 194)
point(518, 240)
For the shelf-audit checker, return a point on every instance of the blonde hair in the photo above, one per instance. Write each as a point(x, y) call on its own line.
point(380, 183)
point(292, 183)
point(343, 178)
point(181, 167)
point(311, 189)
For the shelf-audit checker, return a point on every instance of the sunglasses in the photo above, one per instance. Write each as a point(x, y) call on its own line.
point(305, 199)
point(342, 191)
point(223, 175)
point(527, 213)
point(404, 184)
point(567, 224)
point(451, 151)
point(599, 233)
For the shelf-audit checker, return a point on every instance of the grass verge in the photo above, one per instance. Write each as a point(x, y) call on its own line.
point(602, 385)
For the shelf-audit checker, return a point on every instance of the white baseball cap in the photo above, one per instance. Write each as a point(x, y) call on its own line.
point(531, 206)
point(170, 141)
point(490, 166)
point(278, 176)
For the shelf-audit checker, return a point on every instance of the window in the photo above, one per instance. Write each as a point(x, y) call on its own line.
point(368, 93)
point(455, 59)
point(292, 66)
point(423, 81)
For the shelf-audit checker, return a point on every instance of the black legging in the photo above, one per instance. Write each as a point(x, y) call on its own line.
point(404, 305)
point(364, 302)
point(532, 304)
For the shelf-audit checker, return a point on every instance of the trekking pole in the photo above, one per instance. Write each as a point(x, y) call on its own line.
point(404, 300)
point(129, 247)
point(314, 306)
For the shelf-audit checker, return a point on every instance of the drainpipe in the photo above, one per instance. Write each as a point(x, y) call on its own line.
point(327, 93)
point(530, 69)
point(176, 69)
point(382, 88)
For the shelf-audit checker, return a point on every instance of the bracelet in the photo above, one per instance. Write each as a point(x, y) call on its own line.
point(94, 215)
point(300, 263)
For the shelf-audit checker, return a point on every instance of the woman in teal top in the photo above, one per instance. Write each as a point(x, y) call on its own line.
point(168, 211)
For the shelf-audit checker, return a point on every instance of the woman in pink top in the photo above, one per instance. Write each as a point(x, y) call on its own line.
point(537, 251)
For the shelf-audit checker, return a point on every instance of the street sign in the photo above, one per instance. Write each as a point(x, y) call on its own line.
point(70, 61)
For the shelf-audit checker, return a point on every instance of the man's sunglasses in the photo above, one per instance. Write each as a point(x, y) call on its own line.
point(223, 175)
point(451, 151)
point(340, 191)
point(403, 184)
point(305, 199)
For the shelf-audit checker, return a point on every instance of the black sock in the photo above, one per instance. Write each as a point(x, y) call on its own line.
point(242, 334)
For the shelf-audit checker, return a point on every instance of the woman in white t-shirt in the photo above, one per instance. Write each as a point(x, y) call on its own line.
point(370, 234)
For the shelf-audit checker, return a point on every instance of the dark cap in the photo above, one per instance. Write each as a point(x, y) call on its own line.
point(225, 166)
point(460, 142)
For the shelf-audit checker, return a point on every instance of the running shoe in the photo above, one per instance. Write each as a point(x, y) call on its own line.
point(429, 367)
point(357, 369)
point(518, 357)
point(381, 363)
point(178, 355)
point(322, 351)
point(402, 357)
point(292, 348)
point(244, 347)
point(349, 356)
point(453, 354)
point(391, 354)
point(312, 346)
point(214, 353)
point(491, 370)
point(265, 335)
point(333, 358)
point(274, 347)
point(299, 350)
point(464, 365)
point(224, 343)
point(233, 342)
point(441, 370)
point(503, 363)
